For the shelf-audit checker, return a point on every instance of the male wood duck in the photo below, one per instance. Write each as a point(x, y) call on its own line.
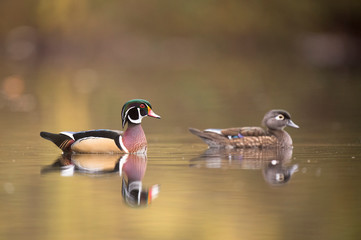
point(252, 137)
point(132, 140)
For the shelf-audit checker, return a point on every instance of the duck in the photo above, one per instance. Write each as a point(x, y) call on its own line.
point(132, 140)
point(272, 136)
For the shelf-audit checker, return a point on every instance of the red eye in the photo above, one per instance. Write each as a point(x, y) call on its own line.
point(142, 105)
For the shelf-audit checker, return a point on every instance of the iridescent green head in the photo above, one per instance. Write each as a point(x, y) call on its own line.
point(135, 110)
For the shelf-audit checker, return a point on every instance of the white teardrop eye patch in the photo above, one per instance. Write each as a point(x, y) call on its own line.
point(279, 117)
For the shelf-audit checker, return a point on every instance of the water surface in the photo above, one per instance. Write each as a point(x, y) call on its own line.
point(71, 65)
point(312, 192)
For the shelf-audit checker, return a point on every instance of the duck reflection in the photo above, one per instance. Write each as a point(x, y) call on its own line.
point(131, 168)
point(89, 164)
point(133, 193)
point(275, 163)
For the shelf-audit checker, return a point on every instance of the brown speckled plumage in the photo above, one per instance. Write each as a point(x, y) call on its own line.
point(252, 137)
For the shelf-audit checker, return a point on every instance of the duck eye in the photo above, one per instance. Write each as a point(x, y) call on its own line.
point(280, 117)
point(142, 105)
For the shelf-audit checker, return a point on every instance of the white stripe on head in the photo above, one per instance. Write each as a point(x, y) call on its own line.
point(126, 113)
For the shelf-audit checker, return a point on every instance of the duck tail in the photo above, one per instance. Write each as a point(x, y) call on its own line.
point(211, 138)
point(60, 140)
point(195, 131)
point(205, 134)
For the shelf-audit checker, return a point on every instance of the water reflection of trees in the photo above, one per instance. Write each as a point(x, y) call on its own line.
point(131, 168)
point(274, 163)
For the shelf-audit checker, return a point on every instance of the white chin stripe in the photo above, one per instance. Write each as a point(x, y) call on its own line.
point(122, 144)
point(137, 121)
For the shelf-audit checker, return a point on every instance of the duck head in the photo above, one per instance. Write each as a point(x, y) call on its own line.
point(278, 119)
point(135, 110)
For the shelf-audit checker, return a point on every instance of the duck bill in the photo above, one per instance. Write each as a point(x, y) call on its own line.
point(292, 124)
point(152, 114)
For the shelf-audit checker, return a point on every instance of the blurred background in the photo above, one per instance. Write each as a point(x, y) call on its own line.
point(71, 65)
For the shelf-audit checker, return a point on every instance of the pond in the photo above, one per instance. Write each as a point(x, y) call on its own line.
point(179, 190)
point(71, 65)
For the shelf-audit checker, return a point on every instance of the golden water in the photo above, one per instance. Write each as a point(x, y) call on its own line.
point(203, 194)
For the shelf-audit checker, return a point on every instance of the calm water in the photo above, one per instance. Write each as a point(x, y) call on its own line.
point(71, 65)
point(312, 192)
point(186, 191)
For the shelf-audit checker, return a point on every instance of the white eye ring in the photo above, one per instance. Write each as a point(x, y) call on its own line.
point(279, 117)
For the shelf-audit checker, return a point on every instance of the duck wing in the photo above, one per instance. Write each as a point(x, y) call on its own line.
point(97, 141)
point(98, 133)
point(244, 137)
point(66, 141)
point(243, 131)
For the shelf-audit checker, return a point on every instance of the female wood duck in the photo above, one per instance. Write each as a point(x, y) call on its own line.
point(132, 140)
point(252, 137)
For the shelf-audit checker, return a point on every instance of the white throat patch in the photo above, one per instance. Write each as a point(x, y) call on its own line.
point(136, 121)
